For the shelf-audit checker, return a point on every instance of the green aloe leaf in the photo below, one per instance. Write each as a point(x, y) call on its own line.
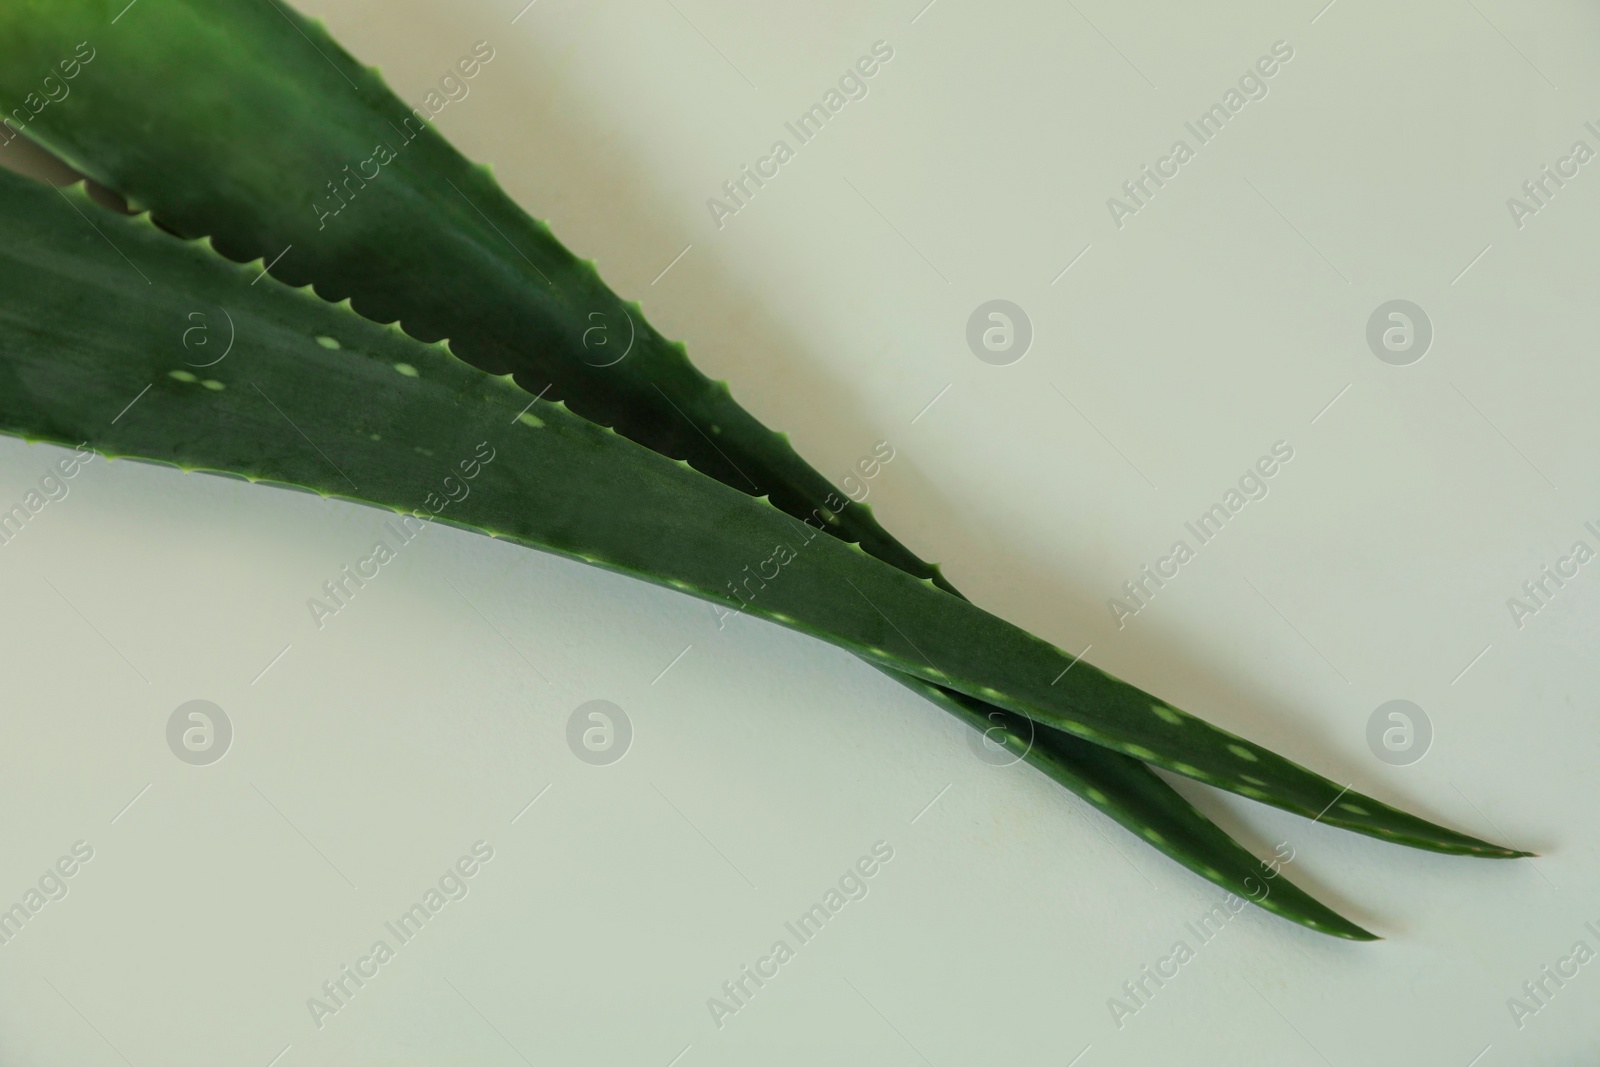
point(83, 335)
point(62, 307)
point(1148, 807)
point(277, 119)
point(303, 153)
point(490, 303)
point(1141, 803)
point(58, 275)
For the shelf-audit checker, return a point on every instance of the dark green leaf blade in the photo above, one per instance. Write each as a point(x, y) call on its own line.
point(1147, 807)
point(84, 332)
point(277, 111)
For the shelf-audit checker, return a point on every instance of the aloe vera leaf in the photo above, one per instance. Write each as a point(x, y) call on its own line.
point(304, 125)
point(284, 127)
point(345, 259)
point(82, 332)
point(365, 224)
point(242, 91)
point(1120, 786)
point(1146, 806)
point(402, 244)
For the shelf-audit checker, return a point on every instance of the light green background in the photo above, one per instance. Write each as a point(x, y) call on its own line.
point(1223, 317)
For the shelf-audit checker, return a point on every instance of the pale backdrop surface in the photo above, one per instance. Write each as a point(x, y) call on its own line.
point(1172, 347)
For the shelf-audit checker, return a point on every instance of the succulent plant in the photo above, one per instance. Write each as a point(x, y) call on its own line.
point(242, 135)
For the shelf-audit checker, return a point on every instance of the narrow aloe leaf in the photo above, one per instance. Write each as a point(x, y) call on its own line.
point(1148, 807)
point(306, 123)
point(297, 154)
point(84, 330)
point(1118, 784)
point(443, 270)
point(273, 111)
point(366, 221)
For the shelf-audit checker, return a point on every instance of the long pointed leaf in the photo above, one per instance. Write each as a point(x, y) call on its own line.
point(576, 488)
point(1148, 807)
point(280, 114)
point(1141, 802)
